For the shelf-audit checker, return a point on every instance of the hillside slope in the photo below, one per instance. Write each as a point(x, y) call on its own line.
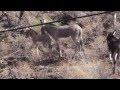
point(19, 60)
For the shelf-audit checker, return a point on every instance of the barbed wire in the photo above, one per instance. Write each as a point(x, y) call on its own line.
point(107, 12)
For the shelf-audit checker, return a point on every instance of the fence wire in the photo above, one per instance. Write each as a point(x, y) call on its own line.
point(107, 12)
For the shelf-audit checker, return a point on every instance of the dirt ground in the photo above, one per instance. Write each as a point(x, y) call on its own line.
point(20, 61)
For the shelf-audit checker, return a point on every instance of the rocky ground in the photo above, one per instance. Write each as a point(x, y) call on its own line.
point(19, 61)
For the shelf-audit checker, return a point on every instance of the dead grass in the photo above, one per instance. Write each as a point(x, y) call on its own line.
point(25, 64)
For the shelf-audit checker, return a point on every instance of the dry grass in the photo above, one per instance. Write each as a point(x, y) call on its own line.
point(19, 60)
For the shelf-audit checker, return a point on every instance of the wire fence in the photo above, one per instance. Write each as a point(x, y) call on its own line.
point(107, 12)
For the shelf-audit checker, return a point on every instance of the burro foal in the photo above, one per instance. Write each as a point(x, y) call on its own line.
point(72, 30)
point(45, 39)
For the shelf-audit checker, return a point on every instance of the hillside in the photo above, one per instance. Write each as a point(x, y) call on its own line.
point(19, 60)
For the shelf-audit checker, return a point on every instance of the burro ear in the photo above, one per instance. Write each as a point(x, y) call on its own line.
point(44, 21)
point(114, 32)
point(117, 37)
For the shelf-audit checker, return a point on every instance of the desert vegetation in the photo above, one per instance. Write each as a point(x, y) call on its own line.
point(19, 58)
